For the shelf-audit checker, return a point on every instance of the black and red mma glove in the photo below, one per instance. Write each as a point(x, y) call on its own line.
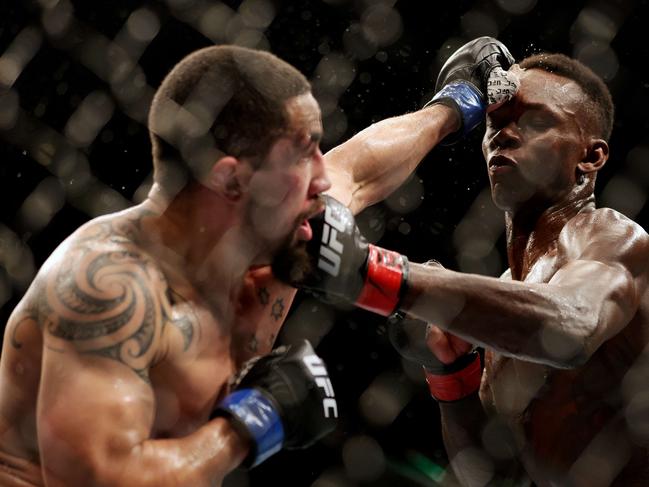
point(344, 267)
point(447, 382)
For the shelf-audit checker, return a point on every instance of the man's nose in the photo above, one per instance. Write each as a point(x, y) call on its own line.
point(506, 137)
point(320, 179)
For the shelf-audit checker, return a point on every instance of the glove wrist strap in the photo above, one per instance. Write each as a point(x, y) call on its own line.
point(256, 416)
point(453, 386)
point(468, 100)
point(385, 281)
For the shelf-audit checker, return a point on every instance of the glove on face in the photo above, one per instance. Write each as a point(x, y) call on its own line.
point(462, 83)
point(344, 267)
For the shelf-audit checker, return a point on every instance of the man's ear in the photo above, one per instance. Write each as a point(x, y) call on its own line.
point(595, 157)
point(227, 178)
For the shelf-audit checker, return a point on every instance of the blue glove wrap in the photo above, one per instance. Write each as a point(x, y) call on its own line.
point(260, 418)
point(467, 100)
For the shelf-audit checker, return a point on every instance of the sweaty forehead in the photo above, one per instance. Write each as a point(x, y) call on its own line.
point(559, 93)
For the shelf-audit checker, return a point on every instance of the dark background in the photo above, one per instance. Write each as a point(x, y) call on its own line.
point(74, 145)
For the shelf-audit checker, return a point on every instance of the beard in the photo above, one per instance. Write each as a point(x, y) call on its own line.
point(292, 263)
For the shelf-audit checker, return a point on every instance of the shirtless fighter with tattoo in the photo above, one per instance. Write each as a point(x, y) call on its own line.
point(117, 366)
point(566, 328)
point(122, 348)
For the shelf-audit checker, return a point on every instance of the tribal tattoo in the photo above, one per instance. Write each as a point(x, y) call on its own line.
point(184, 324)
point(111, 303)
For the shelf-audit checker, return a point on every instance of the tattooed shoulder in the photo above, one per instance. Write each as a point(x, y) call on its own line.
point(185, 323)
point(108, 302)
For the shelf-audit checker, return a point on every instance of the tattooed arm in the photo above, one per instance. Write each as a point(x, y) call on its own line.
point(102, 319)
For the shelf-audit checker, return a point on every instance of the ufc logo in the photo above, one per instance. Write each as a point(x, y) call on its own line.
point(318, 370)
point(331, 249)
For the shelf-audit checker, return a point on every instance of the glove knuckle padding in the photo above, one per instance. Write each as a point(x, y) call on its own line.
point(290, 385)
point(463, 81)
point(473, 62)
point(341, 267)
point(281, 400)
point(337, 251)
point(408, 336)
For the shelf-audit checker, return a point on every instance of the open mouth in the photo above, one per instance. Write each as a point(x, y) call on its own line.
point(500, 163)
point(304, 231)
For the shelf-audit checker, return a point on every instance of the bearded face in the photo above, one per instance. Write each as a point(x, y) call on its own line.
point(292, 263)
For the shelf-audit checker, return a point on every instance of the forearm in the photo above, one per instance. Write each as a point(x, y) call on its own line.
point(376, 161)
point(202, 458)
point(538, 322)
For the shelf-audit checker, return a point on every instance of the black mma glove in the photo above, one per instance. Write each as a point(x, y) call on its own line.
point(343, 266)
point(282, 400)
point(462, 81)
point(446, 382)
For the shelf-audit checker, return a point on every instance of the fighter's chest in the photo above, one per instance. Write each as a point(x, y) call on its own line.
point(187, 392)
point(513, 383)
point(193, 375)
point(541, 268)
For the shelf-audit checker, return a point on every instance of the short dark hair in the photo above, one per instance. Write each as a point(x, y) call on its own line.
point(592, 85)
point(219, 100)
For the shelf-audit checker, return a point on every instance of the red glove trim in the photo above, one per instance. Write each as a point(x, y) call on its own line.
point(457, 385)
point(386, 273)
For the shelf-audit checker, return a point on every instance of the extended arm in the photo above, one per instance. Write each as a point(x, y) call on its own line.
point(368, 167)
point(372, 164)
point(560, 323)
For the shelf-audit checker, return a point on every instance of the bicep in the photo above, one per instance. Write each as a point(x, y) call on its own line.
point(606, 297)
point(102, 316)
point(92, 412)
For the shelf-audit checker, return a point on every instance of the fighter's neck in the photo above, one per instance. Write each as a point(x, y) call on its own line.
point(533, 233)
point(200, 244)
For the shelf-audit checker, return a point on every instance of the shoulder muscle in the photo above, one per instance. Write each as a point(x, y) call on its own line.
point(108, 302)
point(607, 236)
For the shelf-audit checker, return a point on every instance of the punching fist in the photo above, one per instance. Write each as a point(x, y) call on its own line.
point(473, 77)
point(451, 365)
point(281, 400)
point(343, 266)
point(426, 344)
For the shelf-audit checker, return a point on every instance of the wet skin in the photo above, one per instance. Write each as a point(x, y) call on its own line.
point(124, 343)
point(567, 323)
